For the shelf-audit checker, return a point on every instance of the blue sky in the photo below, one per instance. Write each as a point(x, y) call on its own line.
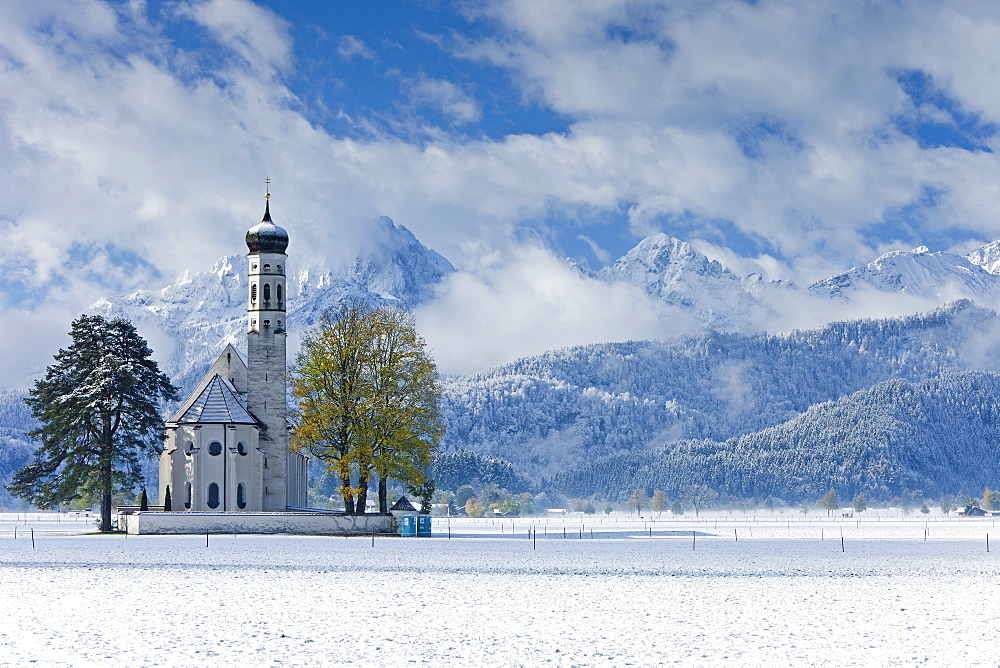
point(794, 139)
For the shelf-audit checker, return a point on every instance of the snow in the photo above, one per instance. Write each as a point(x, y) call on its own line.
point(921, 273)
point(764, 589)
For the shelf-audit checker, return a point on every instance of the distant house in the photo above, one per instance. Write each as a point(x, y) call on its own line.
point(973, 511)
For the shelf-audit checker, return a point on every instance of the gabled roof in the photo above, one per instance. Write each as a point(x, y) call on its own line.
point(217, 403)
point(403, 504)
point(231, 366)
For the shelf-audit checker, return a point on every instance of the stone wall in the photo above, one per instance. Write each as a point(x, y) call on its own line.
point(289, 522)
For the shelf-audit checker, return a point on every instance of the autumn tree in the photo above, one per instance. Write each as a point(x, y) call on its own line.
point(991, 499)
point(860, 503)
point(830, 502)
point(659, 500)
point(947, 503)
point(699, 496)
point(638, 500)
point(99, 414)
point(368, 400)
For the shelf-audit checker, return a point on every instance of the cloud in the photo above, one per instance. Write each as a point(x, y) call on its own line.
point(349, 47)
point(260, 36)
point(816, 87)
point(528, 302)
point(128, 157)
point(444, 96)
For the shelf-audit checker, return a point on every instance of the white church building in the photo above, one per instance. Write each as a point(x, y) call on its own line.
point(227, 445)
point(226, 459)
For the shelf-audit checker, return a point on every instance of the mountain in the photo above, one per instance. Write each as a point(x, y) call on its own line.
point(987, 257)
point(896, 438)
point(920, 273)
point(673, 272)
point(560, 410)
point(188, 322)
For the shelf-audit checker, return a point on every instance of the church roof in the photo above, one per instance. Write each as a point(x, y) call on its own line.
point(265, 236)
point(217, 403)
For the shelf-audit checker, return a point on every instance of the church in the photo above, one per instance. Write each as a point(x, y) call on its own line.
point(227, 447)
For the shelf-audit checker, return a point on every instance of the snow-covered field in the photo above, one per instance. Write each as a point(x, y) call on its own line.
point(738, 589)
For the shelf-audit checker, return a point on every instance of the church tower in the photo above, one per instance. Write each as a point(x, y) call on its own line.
point(227, 445)
point(266, 355)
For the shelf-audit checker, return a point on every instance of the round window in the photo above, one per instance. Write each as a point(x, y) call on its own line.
point(215, 448)
point(241, 448)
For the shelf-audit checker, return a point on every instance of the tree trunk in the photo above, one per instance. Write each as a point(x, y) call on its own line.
point(345, 491)
point(383, 503)
point(106, 494)
point(362, 501)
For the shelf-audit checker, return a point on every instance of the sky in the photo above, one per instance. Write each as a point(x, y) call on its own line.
point(794, 139)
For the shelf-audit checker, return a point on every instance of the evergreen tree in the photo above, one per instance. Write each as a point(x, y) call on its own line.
point(98, 409)
point(830, 502)
point(143, 501)
point(167, 504)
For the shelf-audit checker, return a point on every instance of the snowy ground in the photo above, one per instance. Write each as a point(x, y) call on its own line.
point(771, 589)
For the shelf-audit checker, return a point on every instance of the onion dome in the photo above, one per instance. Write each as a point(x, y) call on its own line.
point(266, 237)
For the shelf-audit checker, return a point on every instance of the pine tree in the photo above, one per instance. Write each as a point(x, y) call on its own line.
point(143, 501)
point(167, 505)
point(98, 408)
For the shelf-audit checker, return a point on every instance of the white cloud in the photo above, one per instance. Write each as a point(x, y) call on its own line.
point(528, 302)
point(444, 96)
point(349, 47)
point(256, 33)
point(112, 134)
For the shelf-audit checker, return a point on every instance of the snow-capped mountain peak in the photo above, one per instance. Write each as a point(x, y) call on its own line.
point(674, 272)
point(919, 272)
point(188, 321)
point(987, 257)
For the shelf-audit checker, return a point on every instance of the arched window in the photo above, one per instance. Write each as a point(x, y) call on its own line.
point(253, 292)
point(213, 495)
point(215, 448)
point(241, 448)
point(187, 504)
point(266, 267)
point(278, 288)
point(267, 292)
point(241, 496)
